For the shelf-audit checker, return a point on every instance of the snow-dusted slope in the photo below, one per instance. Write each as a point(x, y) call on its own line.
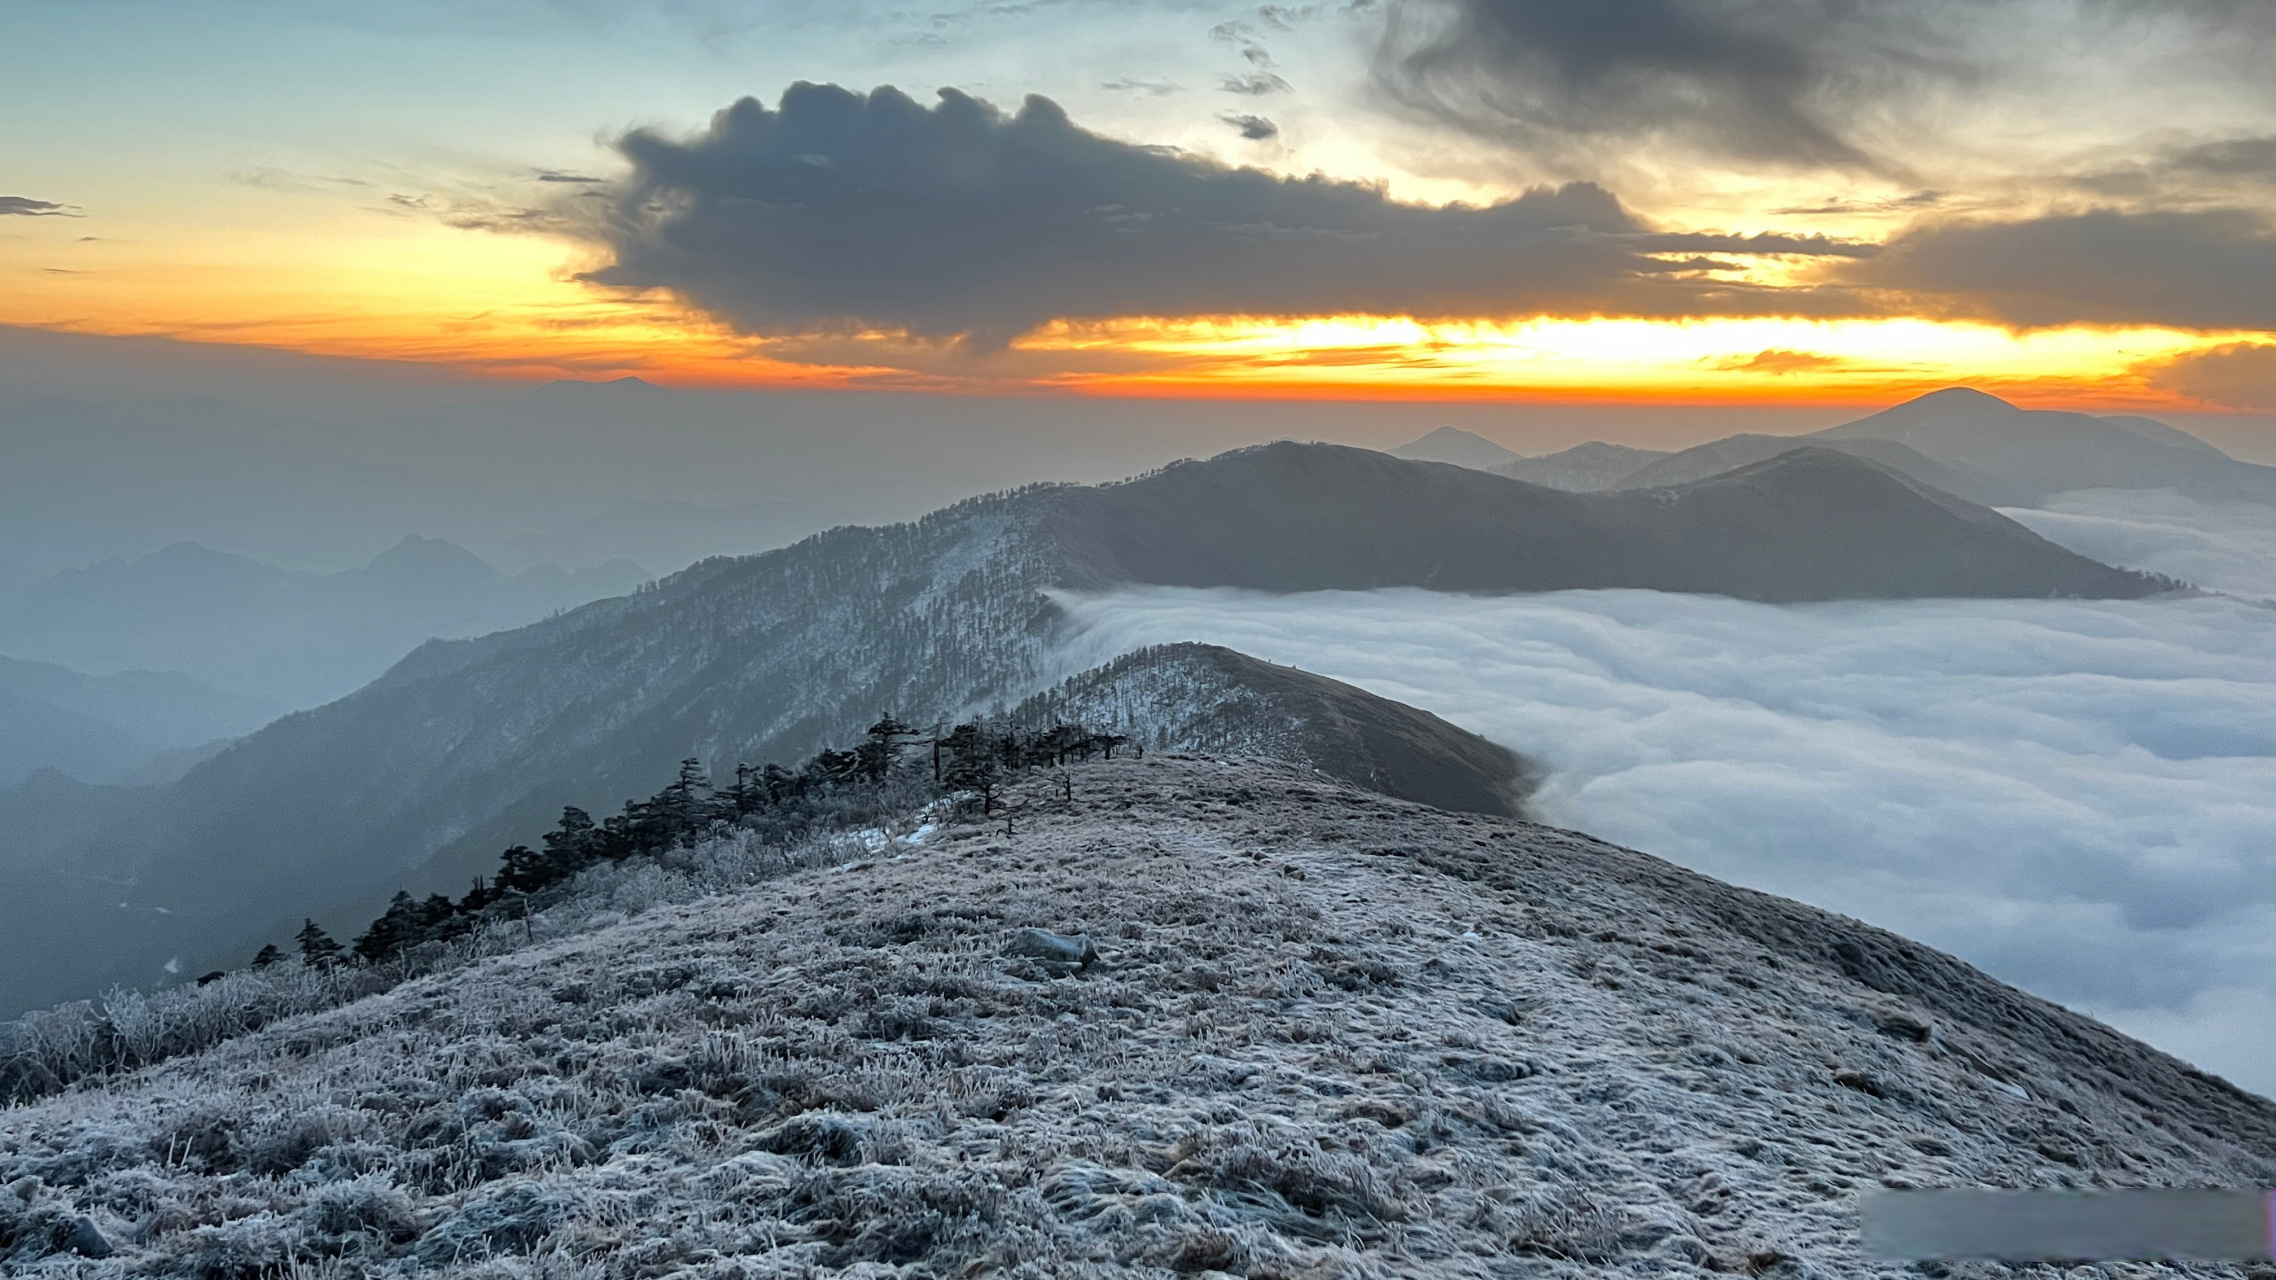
point(1327, 1034)
point(1203, 697)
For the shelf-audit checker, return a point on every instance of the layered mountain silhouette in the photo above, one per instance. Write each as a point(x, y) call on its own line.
point(1732, 452)
point(109, 728)
point(276, 635)
point(2042, 451)
point(1810, 524)
point(467, 746)
point(1584, 468)
point(1962, 441)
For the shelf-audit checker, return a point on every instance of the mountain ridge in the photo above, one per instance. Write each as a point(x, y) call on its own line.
point(1204, 1015)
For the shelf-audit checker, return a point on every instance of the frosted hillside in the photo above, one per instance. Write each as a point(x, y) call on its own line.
point(1324, 1034)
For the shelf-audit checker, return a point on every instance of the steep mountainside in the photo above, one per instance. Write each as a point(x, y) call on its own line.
point(1458, 447)
point(1324, 1034)
point(1584, 468)
point(2037, 452)
point(1201, 697)
point(468, 746)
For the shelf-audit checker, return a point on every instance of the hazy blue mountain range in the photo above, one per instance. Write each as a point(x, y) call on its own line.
point(282, 638)
point(466, 746)
point(111, 728)
point(1964, 442)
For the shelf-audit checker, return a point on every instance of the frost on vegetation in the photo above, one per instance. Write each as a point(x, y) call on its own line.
point(1312, 1034)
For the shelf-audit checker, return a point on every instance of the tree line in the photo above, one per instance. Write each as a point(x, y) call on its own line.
point(891, 767)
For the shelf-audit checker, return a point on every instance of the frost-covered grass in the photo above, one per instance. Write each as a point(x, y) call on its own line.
point(47, 1050)
point(1328, 1035)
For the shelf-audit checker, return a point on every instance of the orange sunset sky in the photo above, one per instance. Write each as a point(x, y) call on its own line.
point(530, 191)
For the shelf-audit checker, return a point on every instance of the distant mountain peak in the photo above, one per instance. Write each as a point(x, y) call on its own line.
point(627, 385)
point(1456, 446)
point(424, 555)
point(1947, 397)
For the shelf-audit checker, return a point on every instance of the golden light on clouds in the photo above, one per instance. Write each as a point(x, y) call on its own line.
point(1717, 359)
point(411, 288)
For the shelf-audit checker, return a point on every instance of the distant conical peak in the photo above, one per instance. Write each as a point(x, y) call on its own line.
point(626, 383)
point(1950, 396)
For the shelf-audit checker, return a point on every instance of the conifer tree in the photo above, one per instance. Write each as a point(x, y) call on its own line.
point(316, 946)
point(267, 955)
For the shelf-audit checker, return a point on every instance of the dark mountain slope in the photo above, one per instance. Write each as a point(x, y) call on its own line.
point(2039, 452)
point(1584, 468)
point(1325, 1035)
point(1811, 525)
point(1201, 697)
point(420, 778)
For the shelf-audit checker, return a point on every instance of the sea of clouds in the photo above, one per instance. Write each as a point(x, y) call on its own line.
point(2077, 796)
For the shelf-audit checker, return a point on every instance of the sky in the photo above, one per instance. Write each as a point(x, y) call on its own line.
point(2073, 795)
point(1649, 201)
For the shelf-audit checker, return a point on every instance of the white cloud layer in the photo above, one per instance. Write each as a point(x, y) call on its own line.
point(2076, 796)
point(2223, 547)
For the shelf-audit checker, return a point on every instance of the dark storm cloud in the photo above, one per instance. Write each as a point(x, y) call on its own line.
point(26, 207)
point(1253, 128)
point(848, 211)
point(1777, 82)
point(2213, 269)
point(1760, 80)
point(2208, 169)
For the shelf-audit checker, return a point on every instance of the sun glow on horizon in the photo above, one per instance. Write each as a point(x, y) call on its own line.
point(510, 307)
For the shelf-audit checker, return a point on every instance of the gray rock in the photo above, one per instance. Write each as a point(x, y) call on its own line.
point(1057, 948)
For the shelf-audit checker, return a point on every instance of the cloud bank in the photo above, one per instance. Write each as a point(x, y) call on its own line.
point(851, 212)
point(1772, 81)
point(2228, 547)
point(2075, 796)
point(2210, 269)
point(1781, 84)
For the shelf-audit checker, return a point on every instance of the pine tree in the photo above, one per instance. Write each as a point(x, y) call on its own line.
point(267, 955)
point(882, 750)
point(396, 928)
point(524, 870)
point(316, 946)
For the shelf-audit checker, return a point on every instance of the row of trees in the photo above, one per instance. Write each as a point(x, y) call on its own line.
point(887, 771)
